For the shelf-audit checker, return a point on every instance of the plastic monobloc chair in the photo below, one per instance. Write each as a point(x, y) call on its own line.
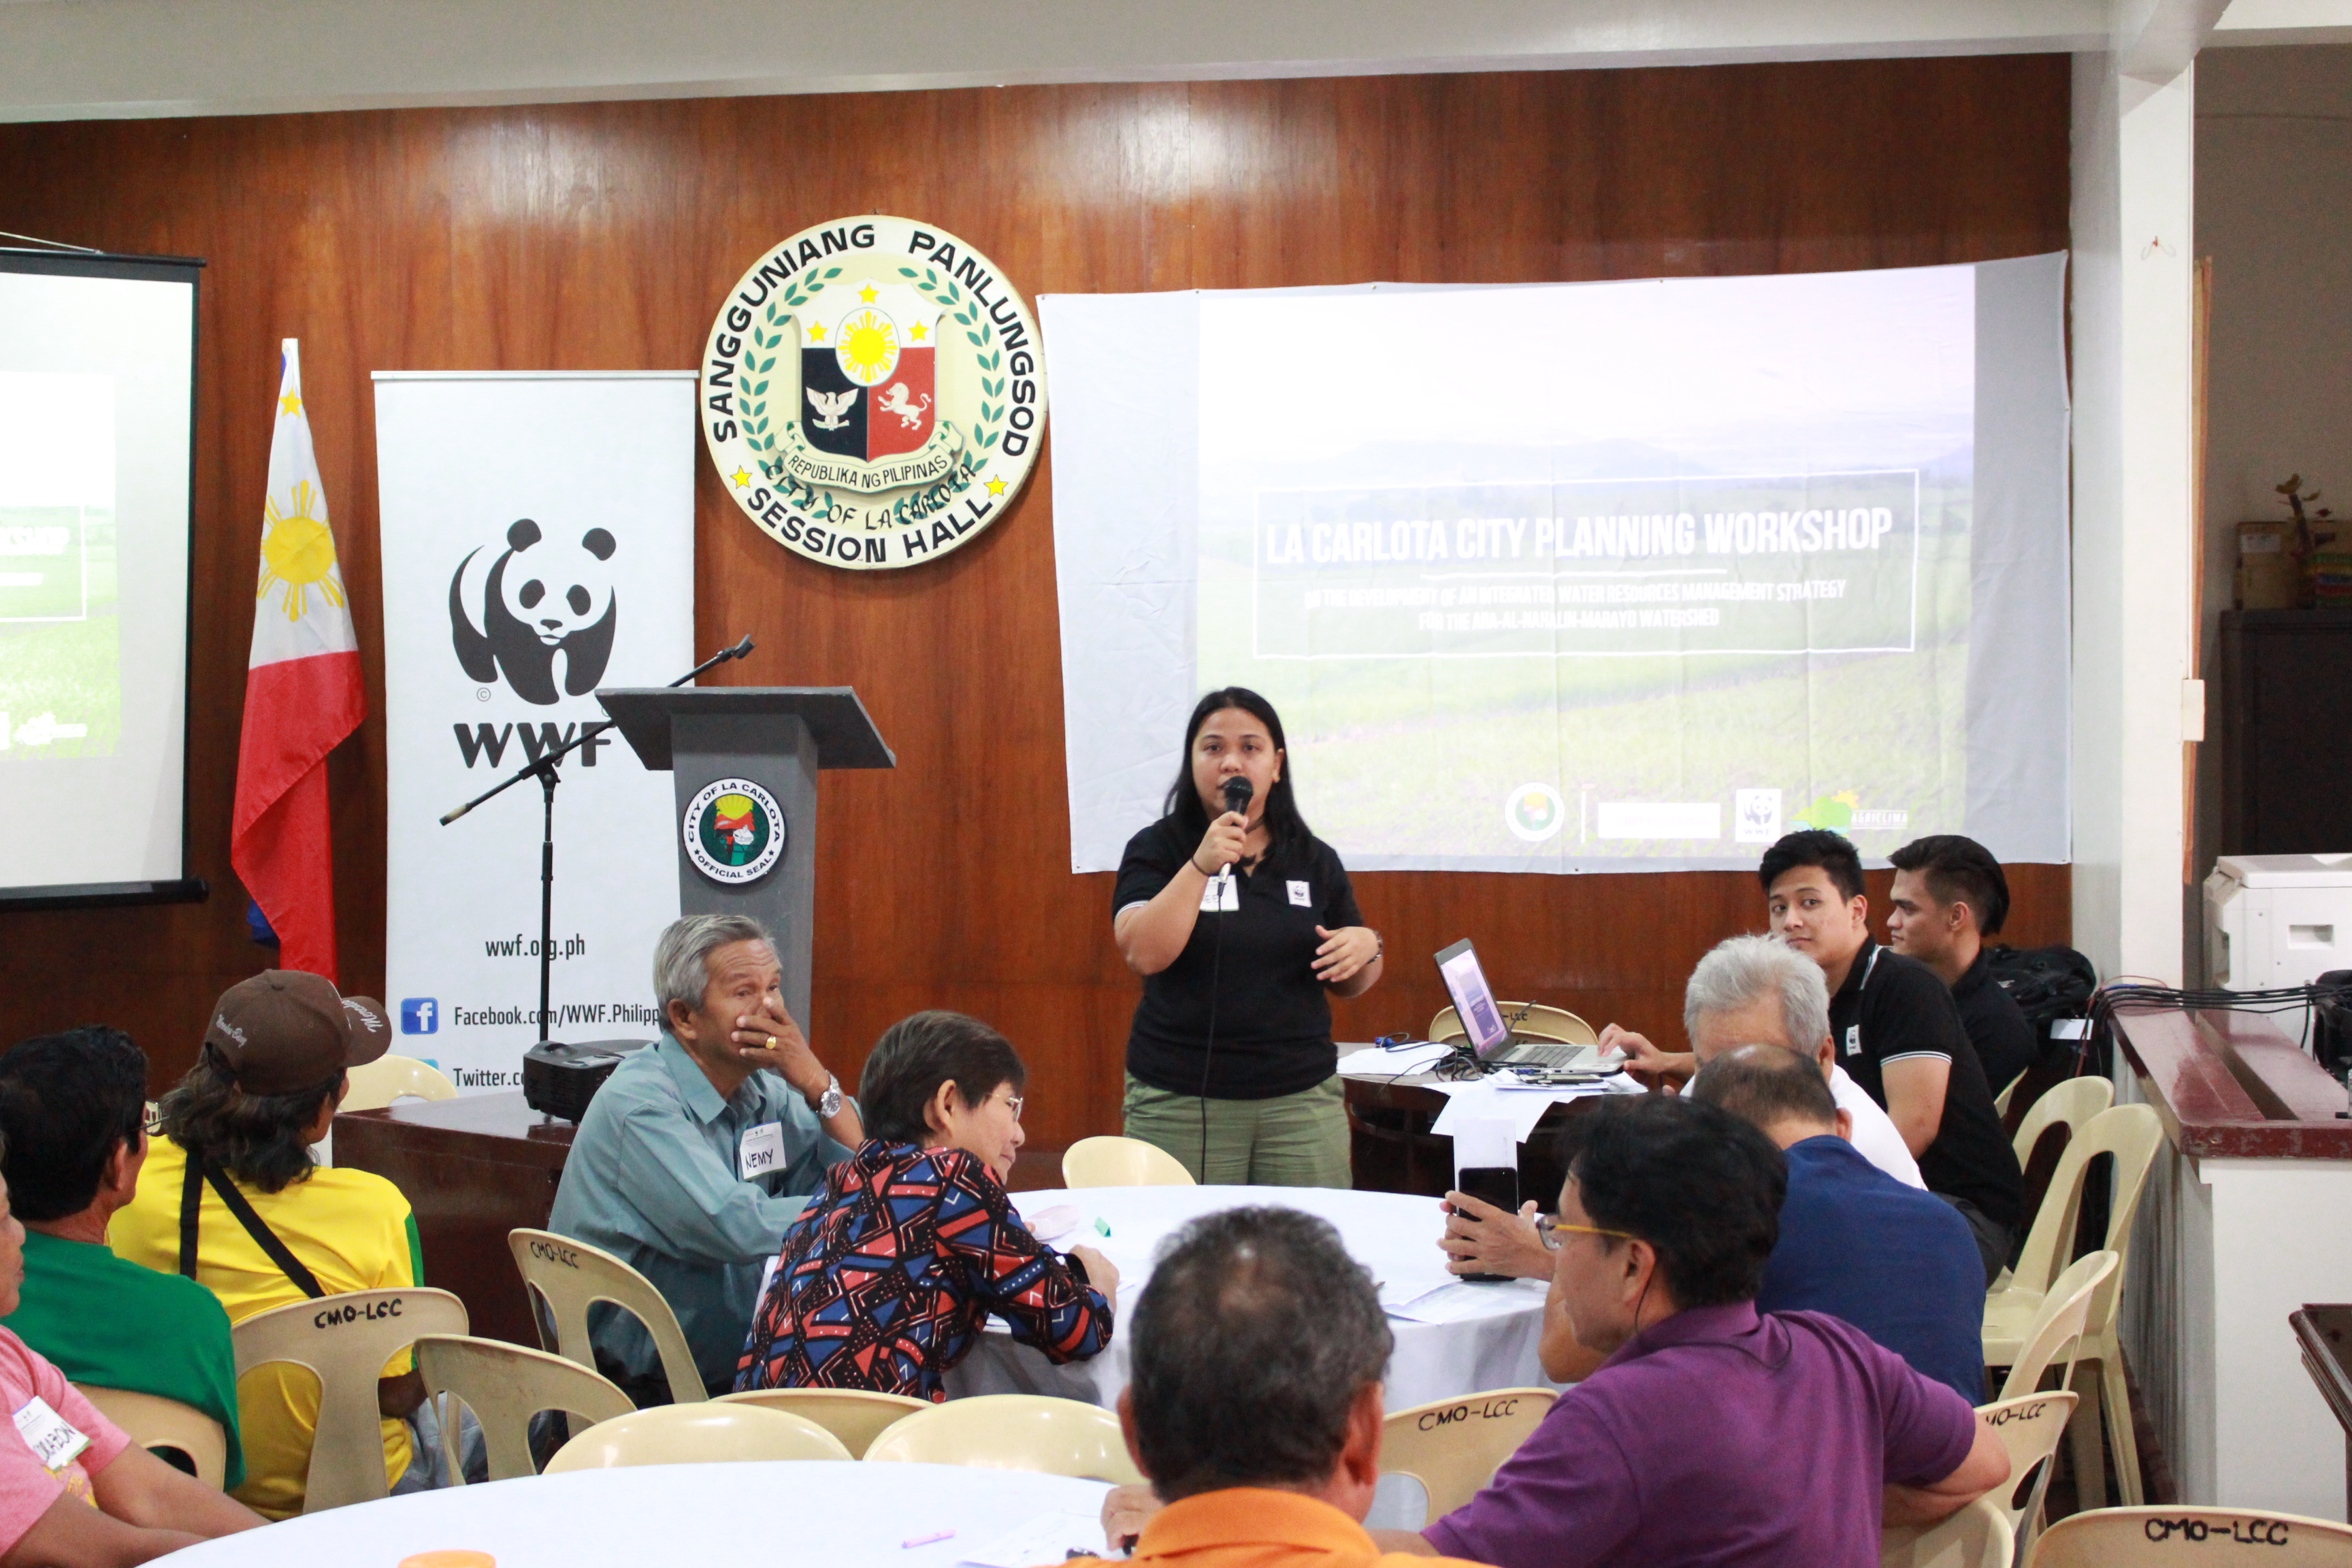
point(856, 1415)
point(1454, 1447)
point(377, 1084)
point(2029, 1428)
point(1975, 1537)
point(1112, 1162)
point(345, 1341)
point(2171, 1536)
point(570, 1277)
point(505, 1386)
point(1530, 1021)
point(153, 1421)
point(1012, 1432)
point(700, 1434)
point(2131, 1135)
point(2055, 1334)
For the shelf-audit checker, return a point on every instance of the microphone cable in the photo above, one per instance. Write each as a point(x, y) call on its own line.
point(1238, 792)
point(1209, 1052)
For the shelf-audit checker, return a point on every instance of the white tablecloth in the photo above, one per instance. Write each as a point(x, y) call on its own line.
point(809, 1515)
point(1482, 1336)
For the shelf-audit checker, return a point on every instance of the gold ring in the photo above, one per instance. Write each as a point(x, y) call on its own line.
point(772, 1042)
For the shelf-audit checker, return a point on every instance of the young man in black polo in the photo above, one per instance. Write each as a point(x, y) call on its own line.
point(1949, 895)
point(1898, 1035)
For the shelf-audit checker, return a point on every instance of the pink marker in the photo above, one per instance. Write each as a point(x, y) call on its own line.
point(930, 1540)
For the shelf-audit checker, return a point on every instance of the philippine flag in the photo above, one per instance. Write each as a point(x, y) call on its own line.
point(302, 695)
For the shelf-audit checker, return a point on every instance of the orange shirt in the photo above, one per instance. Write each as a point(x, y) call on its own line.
point(1257, 1527)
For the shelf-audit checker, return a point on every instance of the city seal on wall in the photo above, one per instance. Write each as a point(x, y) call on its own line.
point(734, 831)
point(873, 393)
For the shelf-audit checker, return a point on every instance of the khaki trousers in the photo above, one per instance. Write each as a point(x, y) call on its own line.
point(1291, 1141)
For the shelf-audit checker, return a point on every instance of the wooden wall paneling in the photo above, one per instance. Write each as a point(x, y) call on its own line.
point(601, 236)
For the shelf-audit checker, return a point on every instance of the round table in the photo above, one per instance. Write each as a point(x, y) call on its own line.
point(814, 1514)
point(1475, 1337)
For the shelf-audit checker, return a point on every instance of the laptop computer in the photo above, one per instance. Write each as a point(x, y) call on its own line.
point(1490, 1034)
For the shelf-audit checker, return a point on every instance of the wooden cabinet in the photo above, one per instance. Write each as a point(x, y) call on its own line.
point(2284, 708)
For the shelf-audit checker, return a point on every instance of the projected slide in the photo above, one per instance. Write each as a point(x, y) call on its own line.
point(97, 387)
point(1562, 577)
point(1637, 570)
point(60, 660)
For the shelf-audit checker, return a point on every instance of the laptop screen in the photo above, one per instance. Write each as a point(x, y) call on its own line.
point(1466, 982)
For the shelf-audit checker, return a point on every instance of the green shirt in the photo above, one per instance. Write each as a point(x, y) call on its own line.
point(111, 1324)
point(653, 1177)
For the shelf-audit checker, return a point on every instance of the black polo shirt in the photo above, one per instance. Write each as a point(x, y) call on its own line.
point(1892, 1008)
point(1996, 1026)
point(1273, 1017)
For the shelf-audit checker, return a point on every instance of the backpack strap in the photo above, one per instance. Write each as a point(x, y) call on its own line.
point(192, 1196)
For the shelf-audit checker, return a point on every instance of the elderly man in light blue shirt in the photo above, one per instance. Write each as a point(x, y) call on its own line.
point(698, 1153)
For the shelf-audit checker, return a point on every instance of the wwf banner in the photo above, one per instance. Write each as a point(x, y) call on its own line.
point(537, 535)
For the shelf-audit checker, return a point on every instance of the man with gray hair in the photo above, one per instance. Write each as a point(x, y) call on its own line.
point(1748, 989)
point(1757, 990)
point(1255, 1401)
point(699, 1153)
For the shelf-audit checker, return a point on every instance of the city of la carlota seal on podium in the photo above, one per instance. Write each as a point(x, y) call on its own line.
point(734, 831)
point(873, 393)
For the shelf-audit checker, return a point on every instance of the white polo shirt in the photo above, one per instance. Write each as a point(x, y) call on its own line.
point(1874, 1137)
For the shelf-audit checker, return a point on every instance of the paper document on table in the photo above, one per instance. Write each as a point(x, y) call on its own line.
point(1520, 1104)
point(1053, 1223)
point(1372, 1061)
point(1461, 1300)
point(1400, 1290)
point(1049, 1538)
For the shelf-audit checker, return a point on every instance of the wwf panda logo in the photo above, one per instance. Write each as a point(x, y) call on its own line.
point(541, 599)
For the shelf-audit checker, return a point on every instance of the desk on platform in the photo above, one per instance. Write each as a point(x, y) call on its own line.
point(2247, 1215)
point(477, 1168)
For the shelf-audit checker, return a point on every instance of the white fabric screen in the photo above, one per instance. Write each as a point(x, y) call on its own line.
point(1577, 577)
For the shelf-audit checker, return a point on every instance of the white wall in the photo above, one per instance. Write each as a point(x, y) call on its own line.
point(2275, 1444)
point(2133, 518)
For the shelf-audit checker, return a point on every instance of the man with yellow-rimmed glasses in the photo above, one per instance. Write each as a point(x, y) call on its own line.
point(1701, 1429)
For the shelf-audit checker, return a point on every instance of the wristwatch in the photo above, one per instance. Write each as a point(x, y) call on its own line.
point(828, 1104)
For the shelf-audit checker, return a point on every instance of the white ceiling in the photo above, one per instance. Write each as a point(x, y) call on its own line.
point(63, 59)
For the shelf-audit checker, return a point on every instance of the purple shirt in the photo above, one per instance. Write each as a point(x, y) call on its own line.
point(1720, 1436)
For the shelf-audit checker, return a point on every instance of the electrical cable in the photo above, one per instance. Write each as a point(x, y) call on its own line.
point(2132, 995)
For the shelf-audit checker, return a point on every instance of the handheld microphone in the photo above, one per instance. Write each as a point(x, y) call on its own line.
point(1238, 791)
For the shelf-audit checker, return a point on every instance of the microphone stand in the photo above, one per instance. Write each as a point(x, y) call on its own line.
point(543, 770)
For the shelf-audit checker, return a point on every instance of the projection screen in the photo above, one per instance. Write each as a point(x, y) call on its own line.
point(1578, 577)
point(97, 414)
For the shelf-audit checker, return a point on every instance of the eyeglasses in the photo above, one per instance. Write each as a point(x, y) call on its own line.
point(1016, 1102)
point(1548, 1228)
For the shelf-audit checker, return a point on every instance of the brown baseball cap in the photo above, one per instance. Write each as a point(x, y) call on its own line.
point(287, 1032)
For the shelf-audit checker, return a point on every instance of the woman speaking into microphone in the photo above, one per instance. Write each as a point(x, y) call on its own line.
point(1243, 926)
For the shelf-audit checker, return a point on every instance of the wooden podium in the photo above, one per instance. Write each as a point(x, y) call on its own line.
point(774, 739)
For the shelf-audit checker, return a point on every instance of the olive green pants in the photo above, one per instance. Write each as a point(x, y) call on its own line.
point(1291, 1141)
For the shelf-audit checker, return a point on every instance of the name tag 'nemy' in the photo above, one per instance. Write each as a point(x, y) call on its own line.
point(763, 1149)
point(54, 1441)
point(1300, 896)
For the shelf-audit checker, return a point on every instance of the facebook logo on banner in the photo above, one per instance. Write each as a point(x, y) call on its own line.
point(420, 1016)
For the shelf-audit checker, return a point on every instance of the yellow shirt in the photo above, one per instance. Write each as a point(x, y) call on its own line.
point(351, 1228)
point(1260, 1527)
